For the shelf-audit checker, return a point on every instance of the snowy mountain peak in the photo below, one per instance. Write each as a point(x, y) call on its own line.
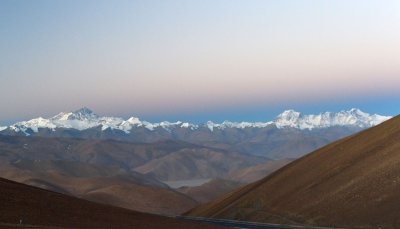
point(134, 121)
point(290, 112)
point(81, 114)
point(357, 112)
point(289, 116)
point(210, 125)
point(84, 118)
point(84, 111)
point(352, 117)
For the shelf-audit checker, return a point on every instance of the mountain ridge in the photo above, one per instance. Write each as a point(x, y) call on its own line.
point(290, 135)
point(350, 183)
point(85, 118)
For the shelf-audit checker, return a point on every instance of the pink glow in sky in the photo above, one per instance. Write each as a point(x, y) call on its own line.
point(149, 57)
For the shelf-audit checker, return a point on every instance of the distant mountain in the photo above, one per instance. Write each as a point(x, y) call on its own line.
point(124, 174)
point(351, 183)
point(107, 171)
point(84, 119)
point(300, 133)
point(198, 163)
point(159, 159)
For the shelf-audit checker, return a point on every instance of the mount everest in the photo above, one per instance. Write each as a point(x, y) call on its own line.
point(84, 118)
point(290, 135)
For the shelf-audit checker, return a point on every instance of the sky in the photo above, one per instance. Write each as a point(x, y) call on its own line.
point(195, 61)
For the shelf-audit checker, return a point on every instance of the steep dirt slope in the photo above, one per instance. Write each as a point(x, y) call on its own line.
point(354, 182)
point(101, 184)
point(257, 172)
point(210, 190)
point(35, 206)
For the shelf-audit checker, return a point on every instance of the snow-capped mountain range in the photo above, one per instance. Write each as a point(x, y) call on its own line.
point(84, 118)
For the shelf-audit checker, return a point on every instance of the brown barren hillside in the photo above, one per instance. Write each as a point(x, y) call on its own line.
point(354, 182)
point(104, 170)
point(211, 190)
point(164, 160)
point(257, 172)
point(35, 206)
point(100, 184)
point(198, 163)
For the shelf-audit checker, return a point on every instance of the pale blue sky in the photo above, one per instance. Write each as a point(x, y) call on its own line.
point(198, 60)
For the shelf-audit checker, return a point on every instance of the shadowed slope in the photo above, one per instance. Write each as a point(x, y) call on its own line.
point(100, 184)
point(257, 172)
point(353, 182)
point(210, 190)
point(40, 207)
